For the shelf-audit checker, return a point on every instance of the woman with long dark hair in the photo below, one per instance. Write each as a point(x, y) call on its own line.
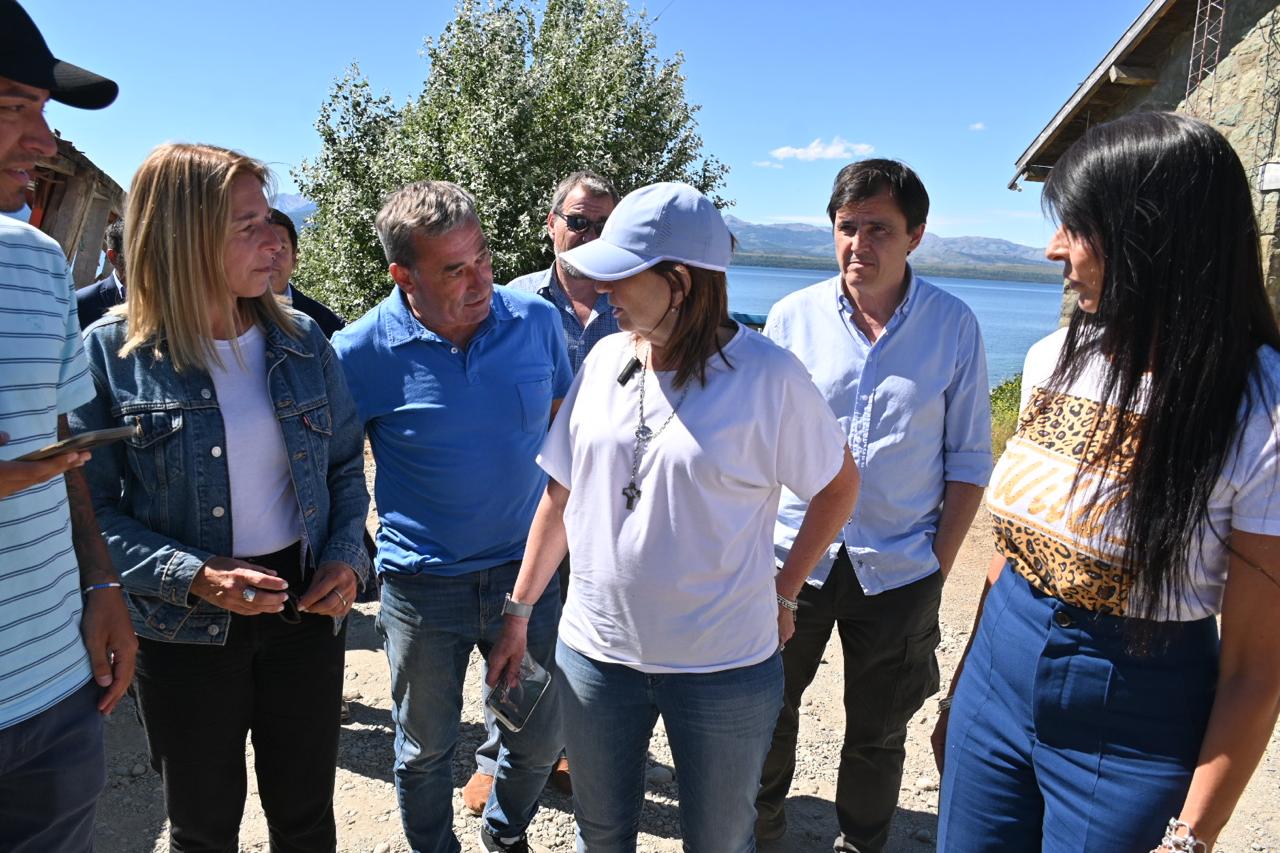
point(667, 461)
point(1097, 708)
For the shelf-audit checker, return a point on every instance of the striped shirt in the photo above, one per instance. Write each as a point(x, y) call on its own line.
point(43, 374)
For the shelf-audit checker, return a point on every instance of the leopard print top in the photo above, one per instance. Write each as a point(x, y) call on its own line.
point(1061, 540)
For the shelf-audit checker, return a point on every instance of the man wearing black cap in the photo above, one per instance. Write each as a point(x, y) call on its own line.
point(66, 645)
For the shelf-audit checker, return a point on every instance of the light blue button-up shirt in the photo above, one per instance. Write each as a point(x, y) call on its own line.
point(916, 409)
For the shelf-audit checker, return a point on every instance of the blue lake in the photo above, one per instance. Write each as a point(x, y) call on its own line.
point(1013, 315)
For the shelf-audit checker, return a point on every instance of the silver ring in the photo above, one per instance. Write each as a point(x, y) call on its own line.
point(340, 598)
point(248, 593)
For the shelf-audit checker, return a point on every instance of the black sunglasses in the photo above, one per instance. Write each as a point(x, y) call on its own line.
point(578, 224)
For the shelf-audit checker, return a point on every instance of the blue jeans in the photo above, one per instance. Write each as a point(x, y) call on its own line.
point(430, 624)
point(52, 769)
point(719, 725)
point(1060, 740)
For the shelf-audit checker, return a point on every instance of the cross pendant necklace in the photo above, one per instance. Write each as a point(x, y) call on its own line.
point(645, 434)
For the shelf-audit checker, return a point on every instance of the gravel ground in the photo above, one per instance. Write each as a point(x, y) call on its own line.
point(131, 814)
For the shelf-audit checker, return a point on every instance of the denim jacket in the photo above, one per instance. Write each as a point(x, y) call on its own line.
point(163, 497)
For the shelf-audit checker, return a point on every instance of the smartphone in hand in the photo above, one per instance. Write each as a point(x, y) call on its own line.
point(512, 704)
point(80, 441)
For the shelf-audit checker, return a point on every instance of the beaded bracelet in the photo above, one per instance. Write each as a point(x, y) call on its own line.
point(788, 603)
point(109, 585)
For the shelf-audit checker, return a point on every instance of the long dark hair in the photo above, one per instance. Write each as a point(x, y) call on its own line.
point(1164, 201)
point(704, 310)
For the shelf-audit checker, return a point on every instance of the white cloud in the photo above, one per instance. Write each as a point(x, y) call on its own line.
point(836, 149)
point(977, 125)
point(766, 164)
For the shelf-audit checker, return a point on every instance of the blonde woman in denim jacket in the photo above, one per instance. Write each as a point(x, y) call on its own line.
point(235, 513)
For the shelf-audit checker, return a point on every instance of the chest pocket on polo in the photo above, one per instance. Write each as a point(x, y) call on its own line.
point(535, 404)
point(156, 449)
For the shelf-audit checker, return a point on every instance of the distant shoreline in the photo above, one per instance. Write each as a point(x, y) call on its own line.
point(1003, 272)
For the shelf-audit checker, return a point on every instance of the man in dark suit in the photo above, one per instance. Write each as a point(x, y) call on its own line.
point(282, 267)
point(94, 300)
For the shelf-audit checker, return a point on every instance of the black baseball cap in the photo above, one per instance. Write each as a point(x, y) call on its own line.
point(26, 59)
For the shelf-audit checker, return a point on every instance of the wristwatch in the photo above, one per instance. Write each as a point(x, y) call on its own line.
point(515, 608)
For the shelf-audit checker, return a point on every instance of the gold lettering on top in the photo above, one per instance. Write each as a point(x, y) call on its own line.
point(1012, 487)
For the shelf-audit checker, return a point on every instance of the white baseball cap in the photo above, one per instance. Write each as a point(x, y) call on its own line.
point(660, 222)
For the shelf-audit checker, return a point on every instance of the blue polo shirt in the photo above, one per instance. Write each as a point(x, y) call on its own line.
point(455, 432)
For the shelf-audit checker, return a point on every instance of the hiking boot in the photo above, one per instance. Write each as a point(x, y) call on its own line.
point(560, 777)
point(476, 792)
point(494, 844)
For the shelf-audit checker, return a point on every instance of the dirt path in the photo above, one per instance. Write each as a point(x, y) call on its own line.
point(131, 815)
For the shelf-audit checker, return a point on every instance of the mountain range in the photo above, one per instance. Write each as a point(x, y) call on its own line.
point(793, 244)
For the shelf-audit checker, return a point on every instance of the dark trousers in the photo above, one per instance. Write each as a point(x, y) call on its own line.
point(52, 769)
point(889, 670)
point(278, 681)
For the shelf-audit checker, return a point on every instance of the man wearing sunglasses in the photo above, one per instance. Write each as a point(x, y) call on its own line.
point(581, 205)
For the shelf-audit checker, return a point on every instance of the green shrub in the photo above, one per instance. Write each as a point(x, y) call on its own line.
point(1004, 412)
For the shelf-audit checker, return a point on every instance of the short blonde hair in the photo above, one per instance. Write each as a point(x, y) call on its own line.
point(176, 226)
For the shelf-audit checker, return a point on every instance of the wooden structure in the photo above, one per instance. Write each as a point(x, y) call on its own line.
point(1218, 60)
point(73, 202)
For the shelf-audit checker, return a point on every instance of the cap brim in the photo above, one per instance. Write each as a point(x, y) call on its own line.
point(78, 87)
point(605, 262)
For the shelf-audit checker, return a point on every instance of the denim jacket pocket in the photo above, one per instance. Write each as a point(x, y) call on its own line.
point(319, 430)
point(157, 619)
point(156, 455)
point(535, 404)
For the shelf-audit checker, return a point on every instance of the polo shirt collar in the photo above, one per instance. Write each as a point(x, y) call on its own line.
point(399, 326)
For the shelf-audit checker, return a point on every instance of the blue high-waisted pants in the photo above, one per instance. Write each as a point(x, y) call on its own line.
point(1060, 739)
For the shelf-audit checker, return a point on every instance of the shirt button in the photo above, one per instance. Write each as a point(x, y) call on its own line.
point(206, 393)
point(1063, 619)
point(219, 512)
point(213, 630)
point(217, 451)
point(453, 350)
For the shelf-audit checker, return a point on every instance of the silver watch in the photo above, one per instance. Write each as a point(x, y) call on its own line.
point(515, 608)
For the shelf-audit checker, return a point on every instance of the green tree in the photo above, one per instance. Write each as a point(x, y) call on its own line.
point(515, 98)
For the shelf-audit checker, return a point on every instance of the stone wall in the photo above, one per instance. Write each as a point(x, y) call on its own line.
point(1239, 98)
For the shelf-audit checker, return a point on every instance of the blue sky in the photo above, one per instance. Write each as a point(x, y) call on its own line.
point(789, 91)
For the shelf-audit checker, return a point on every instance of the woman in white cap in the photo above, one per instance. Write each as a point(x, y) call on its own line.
point(666, 462)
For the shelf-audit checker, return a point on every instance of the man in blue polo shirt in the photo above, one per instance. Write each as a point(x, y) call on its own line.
point(456, 381)
point(66, 645)
point(902, 365)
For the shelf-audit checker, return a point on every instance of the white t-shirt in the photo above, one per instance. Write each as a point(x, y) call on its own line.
point(264, 508)
point(1066, 545)
point(684, 583)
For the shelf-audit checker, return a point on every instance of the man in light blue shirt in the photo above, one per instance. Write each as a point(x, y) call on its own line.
point(902, 365)
point(456, 382)
point(66, 644)
point(579, 208)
